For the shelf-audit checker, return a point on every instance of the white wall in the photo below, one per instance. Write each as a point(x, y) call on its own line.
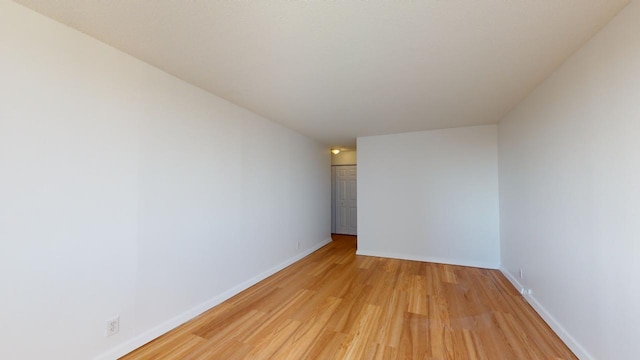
point(570, 194)
point(124, 190)
point(430, 196)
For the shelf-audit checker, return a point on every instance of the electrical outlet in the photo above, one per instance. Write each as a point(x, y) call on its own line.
point(113, 326)
point(521, 274)
point(524, 291)
point(298, 245)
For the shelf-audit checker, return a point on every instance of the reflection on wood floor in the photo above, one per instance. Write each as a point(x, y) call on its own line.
point(336, 305)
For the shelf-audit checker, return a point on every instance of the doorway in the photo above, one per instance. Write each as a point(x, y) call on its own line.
point(344, 200)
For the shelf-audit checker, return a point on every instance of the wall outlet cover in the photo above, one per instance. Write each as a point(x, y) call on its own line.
point(113, 326)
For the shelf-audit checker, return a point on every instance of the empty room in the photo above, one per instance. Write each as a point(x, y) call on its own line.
point(316, 179)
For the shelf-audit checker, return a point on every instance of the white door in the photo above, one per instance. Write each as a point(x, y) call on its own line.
point(346, 200)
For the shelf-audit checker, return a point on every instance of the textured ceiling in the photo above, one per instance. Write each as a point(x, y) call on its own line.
point(335, 70)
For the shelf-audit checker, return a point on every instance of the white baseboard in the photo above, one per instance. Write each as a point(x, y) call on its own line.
point(427, 259)
point(569, 340)
point(171, 324)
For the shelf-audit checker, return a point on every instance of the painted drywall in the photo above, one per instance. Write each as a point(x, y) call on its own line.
point(125, 191)
point(430, 196)
point(348, 157)
point(569, 196)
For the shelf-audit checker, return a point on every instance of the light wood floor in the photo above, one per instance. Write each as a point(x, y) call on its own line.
point(336, 305)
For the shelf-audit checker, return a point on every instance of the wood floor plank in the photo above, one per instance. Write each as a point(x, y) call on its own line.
point(355, 345)
point(304, 337)
point(271, 342)
point(336, 305)
point(278, 316)
point(391, 321)
point(169, 348)
point(327, 346)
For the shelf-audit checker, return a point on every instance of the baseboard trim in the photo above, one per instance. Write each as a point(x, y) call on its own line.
point(564, 335)
point(171, 324)
point(427, 259)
